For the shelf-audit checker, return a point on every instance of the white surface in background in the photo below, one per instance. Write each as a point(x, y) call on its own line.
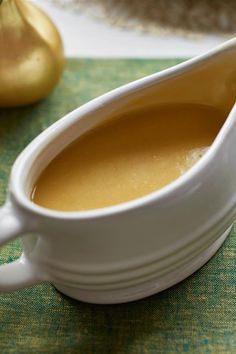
point(86, 37)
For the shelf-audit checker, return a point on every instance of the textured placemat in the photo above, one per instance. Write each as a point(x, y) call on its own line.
point(195, 316)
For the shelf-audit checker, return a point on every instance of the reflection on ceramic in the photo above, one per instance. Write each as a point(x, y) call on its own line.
point(135, 249)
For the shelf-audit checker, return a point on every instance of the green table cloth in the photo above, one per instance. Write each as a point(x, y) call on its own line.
point(195, 316)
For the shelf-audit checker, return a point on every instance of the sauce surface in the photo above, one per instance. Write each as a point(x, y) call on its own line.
point(127, 157)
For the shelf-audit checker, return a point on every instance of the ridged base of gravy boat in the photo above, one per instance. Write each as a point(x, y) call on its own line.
point(135, 249)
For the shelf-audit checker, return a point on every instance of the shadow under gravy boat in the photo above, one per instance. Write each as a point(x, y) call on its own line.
point(138, 248)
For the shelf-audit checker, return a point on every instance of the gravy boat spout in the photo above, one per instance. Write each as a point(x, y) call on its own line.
point(138, 248)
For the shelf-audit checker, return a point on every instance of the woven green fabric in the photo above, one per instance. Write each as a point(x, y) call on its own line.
point(195, 316)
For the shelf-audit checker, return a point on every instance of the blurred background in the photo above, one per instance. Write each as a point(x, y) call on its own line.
point(196, 316)
point(148, 29)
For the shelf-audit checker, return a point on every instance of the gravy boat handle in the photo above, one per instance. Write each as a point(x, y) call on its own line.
point(20, 273)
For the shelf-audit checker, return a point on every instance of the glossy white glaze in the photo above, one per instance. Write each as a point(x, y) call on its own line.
point(134, 249)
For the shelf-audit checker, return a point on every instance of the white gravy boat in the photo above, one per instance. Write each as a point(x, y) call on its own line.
point(138, 248)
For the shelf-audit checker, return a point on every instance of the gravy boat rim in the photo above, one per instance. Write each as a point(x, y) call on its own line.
point(167, 192)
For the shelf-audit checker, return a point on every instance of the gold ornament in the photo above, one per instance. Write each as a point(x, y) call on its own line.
point(31, 53)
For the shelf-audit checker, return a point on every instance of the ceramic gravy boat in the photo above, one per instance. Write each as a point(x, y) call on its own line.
point(138, 248)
